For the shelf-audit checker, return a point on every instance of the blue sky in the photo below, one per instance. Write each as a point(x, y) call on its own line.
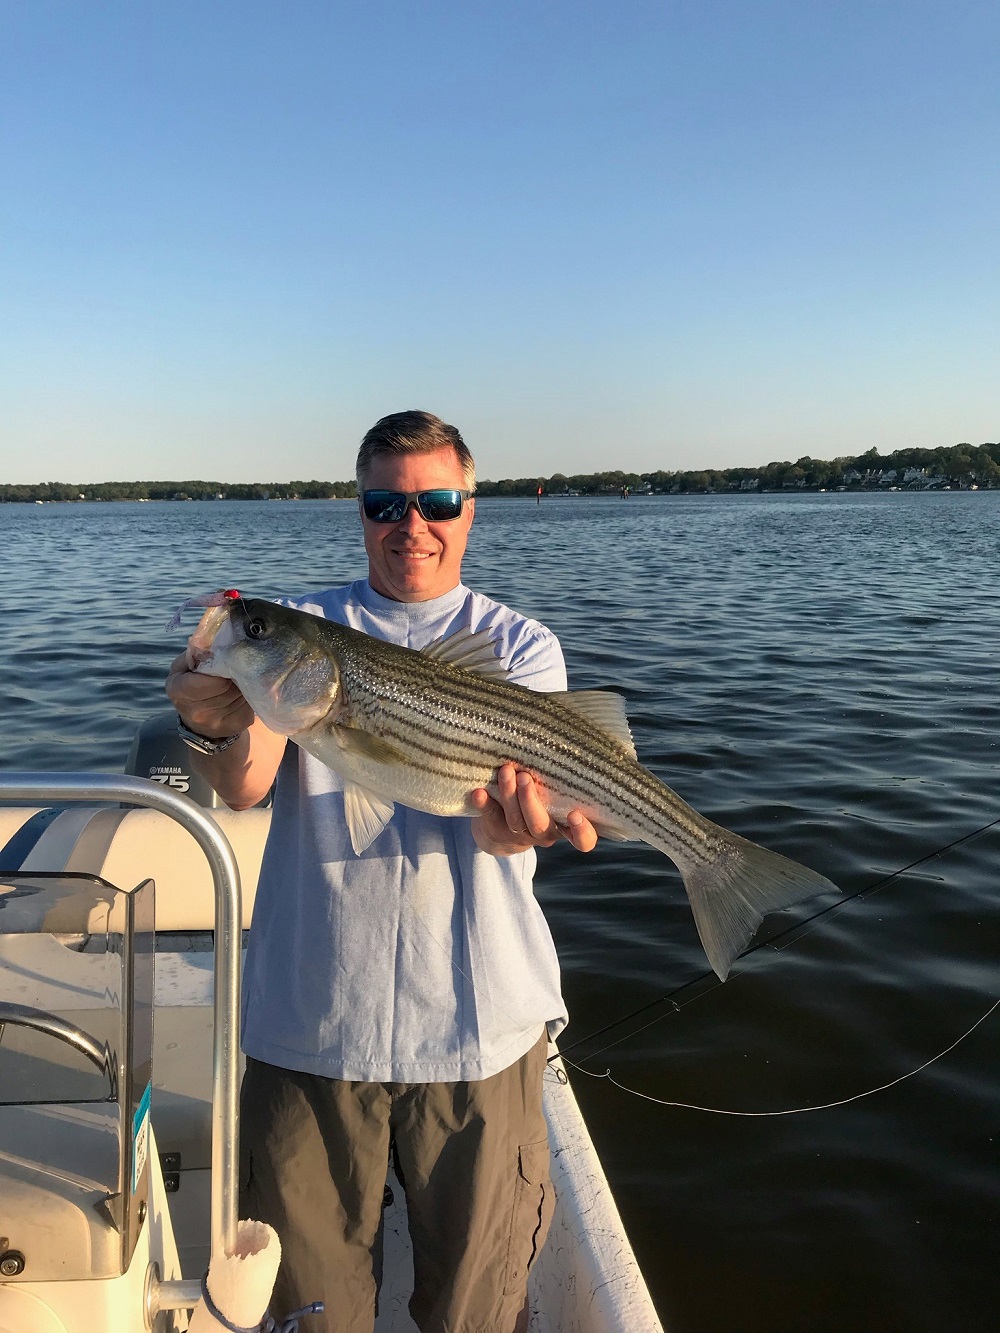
point(590, 234)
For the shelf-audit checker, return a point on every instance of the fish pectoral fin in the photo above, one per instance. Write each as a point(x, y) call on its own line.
point(603, 709)
point(474, 651)
point(364, 743)
point(366, 813)
point(287, 720)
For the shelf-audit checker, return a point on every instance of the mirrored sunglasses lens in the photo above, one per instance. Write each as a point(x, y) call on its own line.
point(440, 506)
point(384, 506)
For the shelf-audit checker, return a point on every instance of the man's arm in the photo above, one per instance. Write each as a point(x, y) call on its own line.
point(242, 773)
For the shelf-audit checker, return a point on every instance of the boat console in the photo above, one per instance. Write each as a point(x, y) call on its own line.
point(76, 1003)
point(87, 1235)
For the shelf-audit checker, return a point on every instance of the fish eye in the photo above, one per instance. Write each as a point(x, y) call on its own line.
point(256, 629)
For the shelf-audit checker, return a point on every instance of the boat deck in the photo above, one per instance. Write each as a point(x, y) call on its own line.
point(586, 1277)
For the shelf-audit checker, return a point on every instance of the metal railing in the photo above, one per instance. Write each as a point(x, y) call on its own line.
point(100, 788)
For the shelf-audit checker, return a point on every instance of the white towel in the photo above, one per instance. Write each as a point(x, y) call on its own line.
point(240, 1284)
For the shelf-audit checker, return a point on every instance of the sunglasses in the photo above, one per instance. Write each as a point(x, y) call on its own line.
point(433, 506)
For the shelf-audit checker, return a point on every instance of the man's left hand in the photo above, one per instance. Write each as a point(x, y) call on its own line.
point(519, 820)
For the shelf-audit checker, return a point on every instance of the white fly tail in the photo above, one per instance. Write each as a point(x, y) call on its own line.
point(732, 893)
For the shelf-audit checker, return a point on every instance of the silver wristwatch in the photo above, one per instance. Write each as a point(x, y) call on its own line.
point(206, 744)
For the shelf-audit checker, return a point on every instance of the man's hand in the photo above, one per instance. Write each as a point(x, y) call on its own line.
point(242, 774)
point(519, 820)
point(209, 705)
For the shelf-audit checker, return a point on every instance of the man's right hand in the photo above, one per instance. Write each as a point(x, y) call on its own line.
point(210, 705)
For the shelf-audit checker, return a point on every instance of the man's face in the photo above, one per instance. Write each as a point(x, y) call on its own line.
point(413, 560)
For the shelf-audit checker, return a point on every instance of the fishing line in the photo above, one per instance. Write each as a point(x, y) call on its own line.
point(708, 981)
point(693, 1106)
point(793, 1110)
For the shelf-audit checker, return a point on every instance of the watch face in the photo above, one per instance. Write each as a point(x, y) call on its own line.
point(206, 744)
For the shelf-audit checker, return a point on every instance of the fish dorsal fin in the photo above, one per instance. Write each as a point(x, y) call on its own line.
point(367, 815)
point(604, 710)
point(474, 651)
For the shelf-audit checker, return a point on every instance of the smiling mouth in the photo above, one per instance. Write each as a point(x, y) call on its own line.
point(414, 555)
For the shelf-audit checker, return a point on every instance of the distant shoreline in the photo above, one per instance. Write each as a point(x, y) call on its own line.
point(548, 496)
point(956, 467)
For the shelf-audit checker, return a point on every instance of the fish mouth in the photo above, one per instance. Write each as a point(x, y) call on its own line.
point(200, 651)
point(199, 657)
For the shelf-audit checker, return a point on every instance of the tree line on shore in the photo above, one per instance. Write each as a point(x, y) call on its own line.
point(181, 490)
point(960, 465)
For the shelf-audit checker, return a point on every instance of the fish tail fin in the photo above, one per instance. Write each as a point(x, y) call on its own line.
point(732, 892)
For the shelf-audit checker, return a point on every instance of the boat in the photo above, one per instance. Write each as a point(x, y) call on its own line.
point(124, 902)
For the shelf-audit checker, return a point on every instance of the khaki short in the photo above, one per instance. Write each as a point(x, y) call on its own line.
point(473, 1159)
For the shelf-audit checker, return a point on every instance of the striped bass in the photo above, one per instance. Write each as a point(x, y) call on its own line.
point(427, 728)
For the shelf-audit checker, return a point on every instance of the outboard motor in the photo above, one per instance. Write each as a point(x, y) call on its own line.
point(159, 753)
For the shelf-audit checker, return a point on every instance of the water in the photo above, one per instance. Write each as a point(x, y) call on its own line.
point(816, 672)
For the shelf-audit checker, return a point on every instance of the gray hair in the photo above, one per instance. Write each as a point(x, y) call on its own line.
point(413, 432)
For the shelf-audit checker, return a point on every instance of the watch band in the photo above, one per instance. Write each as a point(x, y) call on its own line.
point(205, 744)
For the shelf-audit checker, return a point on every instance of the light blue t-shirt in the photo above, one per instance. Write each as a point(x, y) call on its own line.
point(424, 960)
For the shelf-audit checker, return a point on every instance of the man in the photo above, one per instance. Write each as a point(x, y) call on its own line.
point(398, 1000)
